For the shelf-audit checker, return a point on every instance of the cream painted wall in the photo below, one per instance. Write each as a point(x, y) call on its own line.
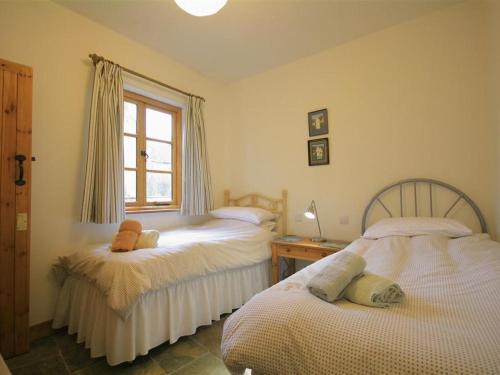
point(56, 42)
point(494, 22)
point(409, 101)
point(497, 118)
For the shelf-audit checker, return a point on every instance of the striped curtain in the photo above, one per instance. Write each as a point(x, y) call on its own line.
point(103, 196)
point(197, 196)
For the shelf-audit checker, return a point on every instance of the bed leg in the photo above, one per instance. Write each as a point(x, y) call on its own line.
point(275, 264)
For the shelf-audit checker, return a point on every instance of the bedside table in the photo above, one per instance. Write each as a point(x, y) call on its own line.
point(304, 249)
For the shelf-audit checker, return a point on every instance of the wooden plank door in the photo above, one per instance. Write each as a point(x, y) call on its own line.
point(15, 193)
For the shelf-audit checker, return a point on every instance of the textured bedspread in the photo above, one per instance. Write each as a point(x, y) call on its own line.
point(449, 322)
point(182, 254)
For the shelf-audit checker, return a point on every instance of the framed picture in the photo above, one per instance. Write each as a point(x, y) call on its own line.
point(318, 122)
point(318, 151)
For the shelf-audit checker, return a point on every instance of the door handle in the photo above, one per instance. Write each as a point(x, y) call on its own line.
point(20, 160)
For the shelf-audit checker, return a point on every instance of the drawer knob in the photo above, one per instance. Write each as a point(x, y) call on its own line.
point(287, 250)
point(323, 255)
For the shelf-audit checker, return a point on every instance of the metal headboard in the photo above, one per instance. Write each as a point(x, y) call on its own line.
point(414, 182)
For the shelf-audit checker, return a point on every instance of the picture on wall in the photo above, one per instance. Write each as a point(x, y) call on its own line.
point(318, 151)
point(318, 122)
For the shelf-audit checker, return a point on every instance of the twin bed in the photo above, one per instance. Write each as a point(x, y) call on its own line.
point(123, 304)
point(449, 322)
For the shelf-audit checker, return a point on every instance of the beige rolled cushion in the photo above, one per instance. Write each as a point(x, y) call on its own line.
point(147, 239)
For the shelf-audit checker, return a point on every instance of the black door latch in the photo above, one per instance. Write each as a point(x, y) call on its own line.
point(20, 160)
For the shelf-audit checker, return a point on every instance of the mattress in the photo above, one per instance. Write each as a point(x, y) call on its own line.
point(449, 322)
point(182, 254)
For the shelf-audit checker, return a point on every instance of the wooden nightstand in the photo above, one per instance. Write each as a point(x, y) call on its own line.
point(304, 249)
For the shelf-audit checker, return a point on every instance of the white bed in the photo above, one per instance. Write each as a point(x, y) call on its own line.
point(123, 304)
point(449, 322)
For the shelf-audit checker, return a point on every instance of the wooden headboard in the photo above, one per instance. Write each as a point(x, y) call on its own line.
point(277, 206)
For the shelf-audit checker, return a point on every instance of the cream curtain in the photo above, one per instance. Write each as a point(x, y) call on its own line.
point(103, 196)
point(197, 196)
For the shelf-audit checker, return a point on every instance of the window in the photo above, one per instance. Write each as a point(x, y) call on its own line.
point(152, 154)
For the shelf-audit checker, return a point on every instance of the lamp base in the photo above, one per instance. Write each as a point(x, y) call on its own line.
point(318, 239)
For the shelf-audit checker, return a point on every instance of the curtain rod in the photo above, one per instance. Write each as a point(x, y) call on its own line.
point(96, 58)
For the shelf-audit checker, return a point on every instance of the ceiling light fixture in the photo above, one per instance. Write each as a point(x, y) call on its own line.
point(201, 8)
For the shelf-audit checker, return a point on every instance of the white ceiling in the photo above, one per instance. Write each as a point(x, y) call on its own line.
point(249, 36)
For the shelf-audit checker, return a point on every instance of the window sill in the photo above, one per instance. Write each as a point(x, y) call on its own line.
point(147, 209)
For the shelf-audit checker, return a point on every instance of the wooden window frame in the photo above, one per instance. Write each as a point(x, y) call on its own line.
point(141, 205)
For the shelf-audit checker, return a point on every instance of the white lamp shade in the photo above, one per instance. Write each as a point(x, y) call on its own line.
point(201, 8)
point(309, 215)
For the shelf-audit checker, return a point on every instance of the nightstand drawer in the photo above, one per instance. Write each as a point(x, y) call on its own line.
point(304, 253)
point(304, 250)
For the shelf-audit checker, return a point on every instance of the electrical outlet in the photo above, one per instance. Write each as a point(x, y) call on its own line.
point(344, 220)
point(299, 218)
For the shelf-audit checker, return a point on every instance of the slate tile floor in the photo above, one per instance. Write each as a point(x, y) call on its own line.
point(60, 354)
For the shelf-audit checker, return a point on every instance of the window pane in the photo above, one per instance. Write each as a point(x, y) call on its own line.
point(130, 186)
point(158, 125)
point(130, 118)
point(129, 151)
point(159, 156)
point(159, 187)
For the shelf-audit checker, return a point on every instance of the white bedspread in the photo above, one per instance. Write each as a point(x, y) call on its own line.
point(449, 322)
point(182, 254)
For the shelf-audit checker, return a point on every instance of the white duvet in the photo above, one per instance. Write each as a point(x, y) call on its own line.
point(182, 254)
point(449, 322)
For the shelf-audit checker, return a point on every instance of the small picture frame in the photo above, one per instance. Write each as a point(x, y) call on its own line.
point(318, 122)
point(318, 151)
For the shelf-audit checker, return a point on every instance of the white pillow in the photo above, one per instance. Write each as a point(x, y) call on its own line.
point(253, 215)
point(416, 226)
point(269, 225)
